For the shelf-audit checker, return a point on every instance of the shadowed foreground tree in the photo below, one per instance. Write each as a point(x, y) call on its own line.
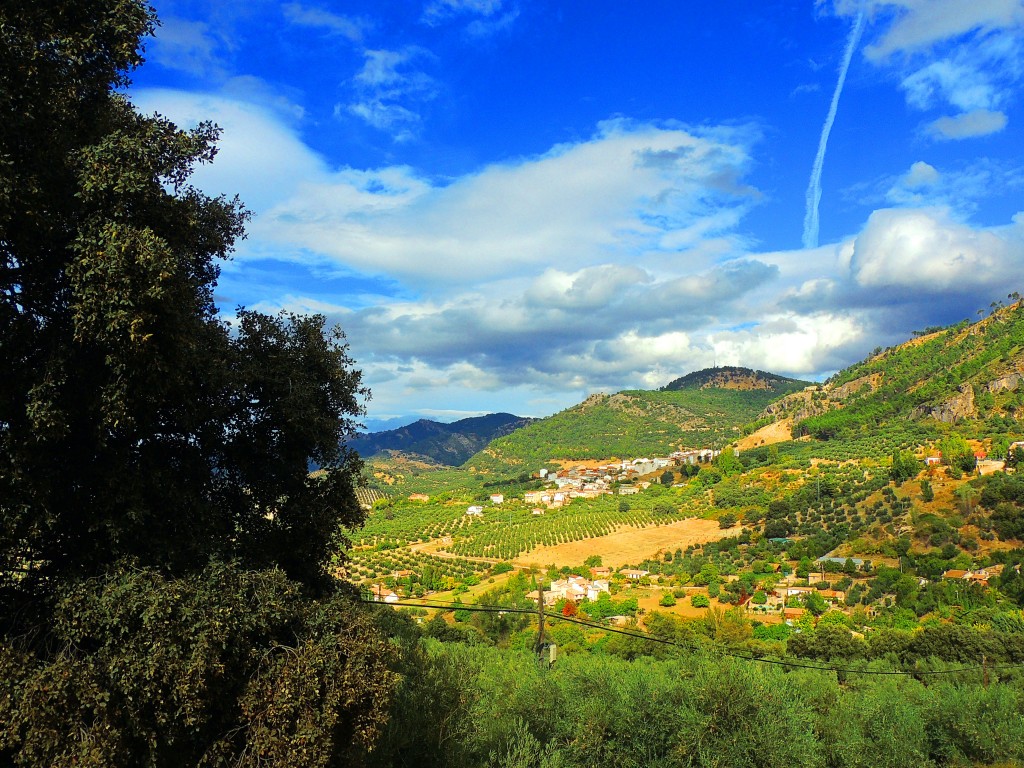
point(163, 548)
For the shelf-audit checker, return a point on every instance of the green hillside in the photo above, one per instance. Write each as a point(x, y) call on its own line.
point(635, 423)
point(967, 372)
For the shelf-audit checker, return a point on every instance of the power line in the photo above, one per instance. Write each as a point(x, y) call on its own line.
point(446, 606)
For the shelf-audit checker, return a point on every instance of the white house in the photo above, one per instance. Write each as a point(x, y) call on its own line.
point(382, 594)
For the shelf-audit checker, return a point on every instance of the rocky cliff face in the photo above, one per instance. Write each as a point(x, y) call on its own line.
point(1010, 381)
point(957, 408)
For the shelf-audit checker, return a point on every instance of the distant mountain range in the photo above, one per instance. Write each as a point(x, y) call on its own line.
point(450, 444)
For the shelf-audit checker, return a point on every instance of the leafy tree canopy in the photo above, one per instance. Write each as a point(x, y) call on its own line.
point(134, 422)
point(164, 598)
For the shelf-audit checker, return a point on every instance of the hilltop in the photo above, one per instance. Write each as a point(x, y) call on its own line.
point(447, 444)
point(969, 371)
point(733, 377)
point(701, 409)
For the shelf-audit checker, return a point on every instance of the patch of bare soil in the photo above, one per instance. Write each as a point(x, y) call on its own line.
point(628, 544)
point(776, 432)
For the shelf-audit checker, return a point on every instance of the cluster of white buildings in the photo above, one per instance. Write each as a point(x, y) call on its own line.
point(574, 588)
point(591, 482)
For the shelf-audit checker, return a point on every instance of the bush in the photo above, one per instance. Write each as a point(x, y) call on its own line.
point(700, 601)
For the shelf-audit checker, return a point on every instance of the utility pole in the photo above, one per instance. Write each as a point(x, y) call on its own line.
point(540, 623)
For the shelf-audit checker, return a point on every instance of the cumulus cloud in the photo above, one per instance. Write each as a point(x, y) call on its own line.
point(921, 174)
point(789, 343)
point(924, 250)
point(958, 188)
point(610, 262)
point(259, 156)
point(980, 122)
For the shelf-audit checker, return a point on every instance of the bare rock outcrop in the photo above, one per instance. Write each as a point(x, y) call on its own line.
point(1010, 381)
point(957, 408)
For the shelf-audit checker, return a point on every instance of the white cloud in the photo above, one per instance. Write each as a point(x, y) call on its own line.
point(921, 24)
point(488, 16)
point(917, 186)
point(259, 155)
point(980, 122)
point(921, 174)
point(961, 85)
point(437, 11)
point(487, 27)
point(925, 186)
point(927, 251)
point(950, 53)
point(788, 343)
point(187, 46)
point(588, 288)
point(593, 266)
point(384, 70)
point(388, 86)
point(621, 192)
point(345, 26)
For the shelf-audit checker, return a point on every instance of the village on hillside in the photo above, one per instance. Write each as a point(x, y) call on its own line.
point(584, 482)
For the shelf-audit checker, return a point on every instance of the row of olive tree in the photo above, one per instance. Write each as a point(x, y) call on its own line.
point(476, 705)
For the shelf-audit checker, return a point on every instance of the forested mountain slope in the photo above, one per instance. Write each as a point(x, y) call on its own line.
point(703, 411)
point(965, 372)
point(449, 444)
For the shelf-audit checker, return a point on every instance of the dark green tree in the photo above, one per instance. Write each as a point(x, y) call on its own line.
point(904, 466)
point(927, 492)
point(957, 453)
point(164, 594)
point(133, 421)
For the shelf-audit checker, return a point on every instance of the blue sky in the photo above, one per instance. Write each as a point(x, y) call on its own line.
point(509, 205)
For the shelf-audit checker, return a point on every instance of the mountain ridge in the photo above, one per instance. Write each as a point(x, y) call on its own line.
point(449, 444)
point(703, 411)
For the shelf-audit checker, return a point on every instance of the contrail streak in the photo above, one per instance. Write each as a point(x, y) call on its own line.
point(814, 186)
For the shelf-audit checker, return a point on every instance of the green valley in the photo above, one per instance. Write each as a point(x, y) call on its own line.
point(887, 545)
